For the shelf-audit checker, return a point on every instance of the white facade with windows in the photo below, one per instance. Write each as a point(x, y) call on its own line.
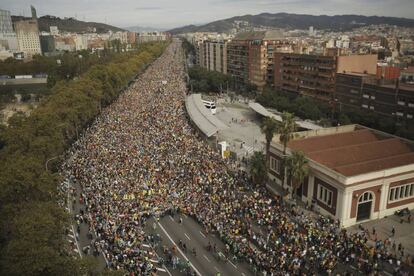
point(27, 32)
point(275, 165)
point(8, 39)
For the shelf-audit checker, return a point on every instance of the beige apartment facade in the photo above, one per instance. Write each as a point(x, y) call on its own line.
point(213, 56)
point(27, 32)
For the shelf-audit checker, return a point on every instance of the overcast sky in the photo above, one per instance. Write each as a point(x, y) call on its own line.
point(174, 13)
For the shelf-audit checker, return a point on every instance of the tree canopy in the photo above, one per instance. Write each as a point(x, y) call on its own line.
point(32, 240)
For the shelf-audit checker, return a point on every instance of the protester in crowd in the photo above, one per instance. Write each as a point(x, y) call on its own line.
point(142, 158)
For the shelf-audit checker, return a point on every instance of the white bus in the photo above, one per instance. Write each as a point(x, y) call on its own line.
point(210, 105)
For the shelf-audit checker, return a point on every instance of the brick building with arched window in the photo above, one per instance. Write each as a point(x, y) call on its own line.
point(356, 173)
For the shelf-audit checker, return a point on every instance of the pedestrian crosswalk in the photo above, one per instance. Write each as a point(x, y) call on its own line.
point(248, 148)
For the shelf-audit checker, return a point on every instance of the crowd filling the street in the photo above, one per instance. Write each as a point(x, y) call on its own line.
point(142, 158)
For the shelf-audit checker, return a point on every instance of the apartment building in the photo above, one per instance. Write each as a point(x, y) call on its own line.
point(151, 36)
point(254, 50)
point(27, 32)
point(238, 61)
point(314, 75)
point(356, 174)
point(213, 56)
point(8, 39)
point(367, 92)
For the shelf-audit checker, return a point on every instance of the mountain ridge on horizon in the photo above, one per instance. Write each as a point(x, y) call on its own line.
point(297, 21)
point(70, 24)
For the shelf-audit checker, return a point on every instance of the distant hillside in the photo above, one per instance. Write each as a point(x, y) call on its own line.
point(298, 21)
point(71, 25)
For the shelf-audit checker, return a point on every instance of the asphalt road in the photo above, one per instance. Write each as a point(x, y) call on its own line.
point(193, 235)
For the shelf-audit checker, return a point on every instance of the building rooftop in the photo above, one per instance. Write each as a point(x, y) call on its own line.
point(354, 150)
point(260, 35)
point(357, 74)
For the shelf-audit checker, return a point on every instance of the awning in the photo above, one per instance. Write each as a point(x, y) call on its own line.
point(258, 108)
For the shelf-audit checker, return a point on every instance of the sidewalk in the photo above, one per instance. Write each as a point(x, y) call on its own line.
point(404, 233)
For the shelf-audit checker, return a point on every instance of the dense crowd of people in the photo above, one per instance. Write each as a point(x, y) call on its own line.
point(142, 158)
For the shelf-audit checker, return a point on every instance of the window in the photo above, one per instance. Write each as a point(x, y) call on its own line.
point(275, 165)
point(401, 192)
point(325, 195)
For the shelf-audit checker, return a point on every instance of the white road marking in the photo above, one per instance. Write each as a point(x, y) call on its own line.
point(154, 261)
point(202, 234)
point(216, 269)
point(165, 268)
point(187, 236)
point(145, 245)
point(171, 218)
point(206, 258)
point(179, 250)
point(71, 236)
point(243, 274)
point(232, 264)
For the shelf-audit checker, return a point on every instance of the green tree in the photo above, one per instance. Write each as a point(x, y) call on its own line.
point(32, 226)
point(269, 127)
point(298, 169)
point(258, 168)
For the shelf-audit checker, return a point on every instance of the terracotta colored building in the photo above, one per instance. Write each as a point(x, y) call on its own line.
point(388, 72)
point(250, 56)
point(356, 173)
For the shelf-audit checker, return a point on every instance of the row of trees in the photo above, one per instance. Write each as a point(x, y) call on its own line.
point(32, 228)
point(203, 80)
point(296, 165)
point(304, 107)
point(65, 66)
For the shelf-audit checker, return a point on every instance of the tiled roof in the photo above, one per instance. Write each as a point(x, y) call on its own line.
point(356, 152)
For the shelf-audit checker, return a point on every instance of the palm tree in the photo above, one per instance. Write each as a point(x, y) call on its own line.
point(269, 128)
point(298, 168)
point(258, 168)
point(286, 130)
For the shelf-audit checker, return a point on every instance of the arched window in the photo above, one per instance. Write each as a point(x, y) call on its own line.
point(365, 197)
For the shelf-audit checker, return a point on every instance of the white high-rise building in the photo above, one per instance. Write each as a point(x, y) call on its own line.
point(27, 32)
point(311, 31)
point(8, 39)
point(54, 30)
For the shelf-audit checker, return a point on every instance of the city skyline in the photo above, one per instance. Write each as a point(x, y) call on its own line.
point(158, 12)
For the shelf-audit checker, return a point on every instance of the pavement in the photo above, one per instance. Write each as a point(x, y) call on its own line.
point(404, 232)
point(78, 236)
point(194, 236)
point(243, 135)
